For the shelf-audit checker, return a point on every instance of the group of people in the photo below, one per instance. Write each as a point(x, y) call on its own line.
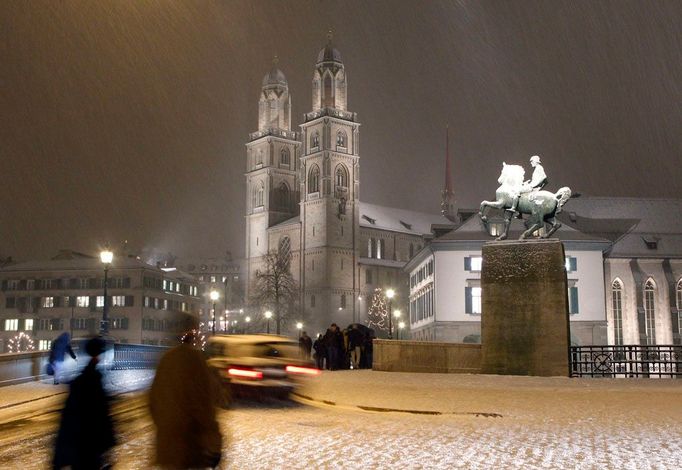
point(350, 348)
point(182, 402)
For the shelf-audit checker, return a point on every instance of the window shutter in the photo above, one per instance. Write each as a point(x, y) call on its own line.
point(573, 292)
point(130, 301)
point(93, 303)
point(57, 301)
point(573, 263)
point(467, 300)
point(124, 323)
point(467, 264)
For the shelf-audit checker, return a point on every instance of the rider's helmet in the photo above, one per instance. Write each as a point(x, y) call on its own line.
point(535, 159)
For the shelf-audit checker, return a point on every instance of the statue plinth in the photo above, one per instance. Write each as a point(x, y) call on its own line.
point(524, 324)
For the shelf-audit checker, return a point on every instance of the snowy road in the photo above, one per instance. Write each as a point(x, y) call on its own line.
point(543, 424)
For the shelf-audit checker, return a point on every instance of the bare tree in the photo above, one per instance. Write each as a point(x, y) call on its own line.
point(275, 287)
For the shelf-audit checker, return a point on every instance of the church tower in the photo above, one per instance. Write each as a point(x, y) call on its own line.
point(329, 186)
point(272, 162)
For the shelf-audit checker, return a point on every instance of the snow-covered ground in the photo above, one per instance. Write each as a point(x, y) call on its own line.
point(541, 423)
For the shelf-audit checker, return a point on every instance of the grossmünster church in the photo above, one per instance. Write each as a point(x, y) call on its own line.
point(303, 198)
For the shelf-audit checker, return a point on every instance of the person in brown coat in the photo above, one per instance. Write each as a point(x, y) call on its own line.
point(182, 402)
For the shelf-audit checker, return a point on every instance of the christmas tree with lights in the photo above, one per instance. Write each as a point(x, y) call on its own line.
point(377, 315)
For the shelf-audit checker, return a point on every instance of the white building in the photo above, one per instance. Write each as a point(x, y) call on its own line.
point(624, 266)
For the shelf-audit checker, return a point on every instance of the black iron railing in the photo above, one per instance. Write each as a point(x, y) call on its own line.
point(136, 356)
point(660, 361)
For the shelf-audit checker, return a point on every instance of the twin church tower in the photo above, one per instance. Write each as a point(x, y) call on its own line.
point(302, 192)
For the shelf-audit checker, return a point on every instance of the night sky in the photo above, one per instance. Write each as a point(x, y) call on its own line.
point(128, 119)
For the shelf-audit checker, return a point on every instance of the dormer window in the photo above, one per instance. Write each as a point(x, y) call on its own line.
point(369, 219)
point(406, 225)
point(650, 242)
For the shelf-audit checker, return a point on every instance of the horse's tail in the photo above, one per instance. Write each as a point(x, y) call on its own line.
point(563, 195)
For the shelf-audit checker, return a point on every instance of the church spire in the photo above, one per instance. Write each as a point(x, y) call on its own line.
point(447, 204)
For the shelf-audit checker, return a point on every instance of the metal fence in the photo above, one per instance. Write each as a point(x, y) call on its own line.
point(136, 356)
point(651, 361)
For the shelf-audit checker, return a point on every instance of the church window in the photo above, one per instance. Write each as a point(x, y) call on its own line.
point(258, 194)
point(314, 180)
point(650, 311)
point(285, 248)
point(285, 157)
point(617, 306)
point(342, 302)
point(370, 247)
point(315, 140)
point(312, 301)
point(341, 177)
point(380, 249)
point(282, 196)
point(341, 139)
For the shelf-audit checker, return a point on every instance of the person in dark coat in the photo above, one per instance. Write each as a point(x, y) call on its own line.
point(333, 339)
point(355, 341)
point(182, 402)
point(320, 351)
point(86, 430)
point(368, 352)
point(60, 347)
point(305, 343)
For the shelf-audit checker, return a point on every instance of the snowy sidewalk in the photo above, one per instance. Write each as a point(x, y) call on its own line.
point(509, 396)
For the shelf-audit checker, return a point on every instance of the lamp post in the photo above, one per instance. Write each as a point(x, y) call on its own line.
point(268, 316)
point(247, 320)
point(214, 295)
point(299, 327)
point(106, 256)
point(390, 293)
point(401, 325)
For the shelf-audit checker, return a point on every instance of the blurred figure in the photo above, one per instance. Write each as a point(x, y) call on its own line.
point(368, 354)
point(86, 431)
point(333, 339)
point(355, 340)
point(320, 351)
point(182, 402)
point(60, 346)
point(305, 343)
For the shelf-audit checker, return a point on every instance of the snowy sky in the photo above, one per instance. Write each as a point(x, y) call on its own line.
point(127, 120)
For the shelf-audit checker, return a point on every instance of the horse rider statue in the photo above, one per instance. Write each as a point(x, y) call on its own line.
point(536, 183)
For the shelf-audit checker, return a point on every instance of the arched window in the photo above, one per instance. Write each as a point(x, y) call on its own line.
point(282, 196)
point(380, 249)
point(341, 139)
point(617, 306)
point(312, 301)
point(258, 194)
point(370, 248)
point(314, 179)
point(259, 157)
point(315, 139)
point(341, 177)
point(650, 311)
point(284, 248)
point(285, 158)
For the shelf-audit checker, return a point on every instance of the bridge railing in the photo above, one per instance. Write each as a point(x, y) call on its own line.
point(627, 361)
point(136, 356)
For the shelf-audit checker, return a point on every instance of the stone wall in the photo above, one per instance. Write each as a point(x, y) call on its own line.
point(418, 356)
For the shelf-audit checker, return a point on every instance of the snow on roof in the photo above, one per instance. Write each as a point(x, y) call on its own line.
point(293, 220)
point(398, 220)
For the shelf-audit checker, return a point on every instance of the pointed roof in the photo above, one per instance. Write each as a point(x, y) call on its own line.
point(275, 76)
point(329, 53)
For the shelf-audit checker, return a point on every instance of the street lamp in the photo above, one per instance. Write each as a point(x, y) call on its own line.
point(390, 293)
point(214, 295)
point(401, 325)
point(268, 316)
point(106, 256)
point(247, 320)
point(299, 327)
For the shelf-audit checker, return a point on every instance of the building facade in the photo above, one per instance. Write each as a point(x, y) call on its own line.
point(303, 199)
point(147, 304)
point(624, 271)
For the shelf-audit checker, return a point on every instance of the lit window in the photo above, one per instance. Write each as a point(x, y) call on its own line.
point(118, 301)
point(650, 311)
point(82, 301)
point(11, 324)
point(476, 263)
point(224, 279)
point(48, 302)
point(617, 306)
point(212, 278)
point(100, 301)
point(571, 264)
point(472, 299)
point(28, 324)
point(44, 344)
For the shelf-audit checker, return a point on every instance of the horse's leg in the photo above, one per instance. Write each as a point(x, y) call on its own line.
point(534, 223)
point(507, 223)
point(495, 204)
point(555, 226)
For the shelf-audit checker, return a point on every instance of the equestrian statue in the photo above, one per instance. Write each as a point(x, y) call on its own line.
point(517, 197)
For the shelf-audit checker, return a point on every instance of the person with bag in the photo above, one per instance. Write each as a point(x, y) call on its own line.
point(86, 430)
point(60, 347)
point(183, 402)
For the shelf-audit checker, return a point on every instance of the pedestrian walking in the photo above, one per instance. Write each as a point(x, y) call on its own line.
point(355, 339)
point(320, 351)
point(60, 347)
point(305, 343)
point(86, 431)
point(182, 402)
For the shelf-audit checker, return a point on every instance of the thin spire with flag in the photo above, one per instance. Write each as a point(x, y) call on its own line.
point(447, 204)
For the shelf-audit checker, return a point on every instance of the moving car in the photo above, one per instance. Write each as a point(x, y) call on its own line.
point(259, 364)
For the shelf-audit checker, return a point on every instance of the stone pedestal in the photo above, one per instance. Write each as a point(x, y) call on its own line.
point(524, 324)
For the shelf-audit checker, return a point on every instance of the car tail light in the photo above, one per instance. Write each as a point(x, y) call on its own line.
point(302, 370)
point(245, 373)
